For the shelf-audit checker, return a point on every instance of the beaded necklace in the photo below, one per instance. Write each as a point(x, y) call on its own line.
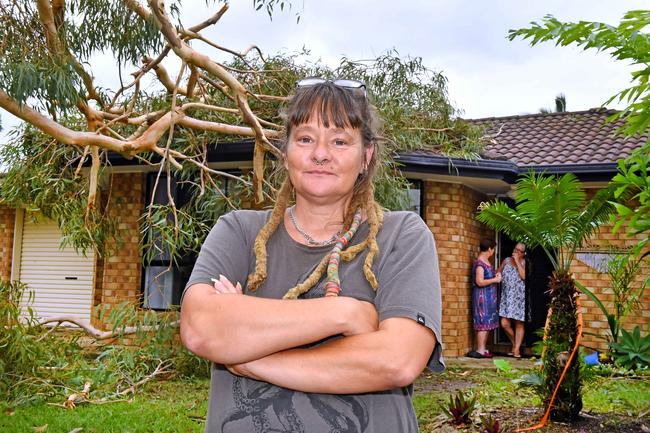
point(333, 283)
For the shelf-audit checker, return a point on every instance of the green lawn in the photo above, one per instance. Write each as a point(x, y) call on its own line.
point(180, 406)
point(175, 406)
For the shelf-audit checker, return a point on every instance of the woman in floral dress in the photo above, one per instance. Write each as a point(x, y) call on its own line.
point(484, 298)
point(513, 297)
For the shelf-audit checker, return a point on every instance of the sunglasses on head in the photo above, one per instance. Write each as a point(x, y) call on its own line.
point(343, 83)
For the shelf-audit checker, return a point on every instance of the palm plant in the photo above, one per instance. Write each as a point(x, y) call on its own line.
point(553, 213)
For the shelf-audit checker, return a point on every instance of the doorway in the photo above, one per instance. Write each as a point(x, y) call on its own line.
point(538, 270)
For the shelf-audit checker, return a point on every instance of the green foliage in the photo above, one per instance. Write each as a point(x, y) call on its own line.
point(169, 406)
point(502, 365)
point(459, 409)
point(31, 68)
point(489, 424)
point(413, 103)
point(270, 6)
point(623, 271)
point(38, 363)
point(613, 370)
point(19, 342)
point(43, 177)
point(632, 194)
point(632, 351)
point(534, 380)
point(552, 213)
point(629, 41)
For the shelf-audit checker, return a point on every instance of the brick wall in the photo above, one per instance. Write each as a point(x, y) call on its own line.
point(597, 280)
point(118, 276)
point(7, 221)
point(450, 211)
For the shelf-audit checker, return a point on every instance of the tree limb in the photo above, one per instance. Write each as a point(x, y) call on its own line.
point(46, 16)
point(103, 335)
point(145, 142)
point(192, 57)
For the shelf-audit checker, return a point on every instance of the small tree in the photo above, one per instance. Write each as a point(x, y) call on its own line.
point(629, 41)
point(554, 214)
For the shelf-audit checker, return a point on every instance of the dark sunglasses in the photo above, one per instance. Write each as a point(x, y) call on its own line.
point(343, 83)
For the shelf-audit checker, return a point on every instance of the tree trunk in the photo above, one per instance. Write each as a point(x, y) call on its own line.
point(561, 336)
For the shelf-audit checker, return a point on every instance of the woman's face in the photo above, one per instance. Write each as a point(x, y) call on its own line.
point(324, 162)
point(519, 251)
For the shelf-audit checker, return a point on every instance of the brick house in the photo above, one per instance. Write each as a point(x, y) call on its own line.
point(446, 193)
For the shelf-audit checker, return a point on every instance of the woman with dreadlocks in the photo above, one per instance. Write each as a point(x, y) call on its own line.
point(319, 314)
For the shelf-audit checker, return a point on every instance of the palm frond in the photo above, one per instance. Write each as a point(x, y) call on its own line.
point(500, 217)
point(551, 212)
point(594, 214)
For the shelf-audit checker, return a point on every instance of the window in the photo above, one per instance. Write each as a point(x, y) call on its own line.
point(415, 196)
point(163, 281)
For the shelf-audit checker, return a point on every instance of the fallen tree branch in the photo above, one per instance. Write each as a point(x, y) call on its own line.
point(102, 335)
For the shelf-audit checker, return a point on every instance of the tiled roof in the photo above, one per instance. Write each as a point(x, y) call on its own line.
point(580, 137)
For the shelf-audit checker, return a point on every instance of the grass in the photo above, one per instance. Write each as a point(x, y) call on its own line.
point(177, 406)
point(624, 395)
point(180, 406)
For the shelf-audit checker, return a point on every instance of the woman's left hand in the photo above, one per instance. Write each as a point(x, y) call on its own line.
point(237, 369)
point(242, 370)
point(223, 285)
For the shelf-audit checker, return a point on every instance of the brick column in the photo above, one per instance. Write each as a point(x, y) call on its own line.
point(7, 221)
point(450, 211)
point(118, 277)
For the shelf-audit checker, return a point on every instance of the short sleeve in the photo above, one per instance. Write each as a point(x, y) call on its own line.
point(409, 280)
point(225, 251)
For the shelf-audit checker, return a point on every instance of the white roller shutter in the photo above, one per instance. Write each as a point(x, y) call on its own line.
point(61, 279)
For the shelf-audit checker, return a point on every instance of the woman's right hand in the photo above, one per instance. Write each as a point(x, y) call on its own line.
point(362, 317)
point(497, 277)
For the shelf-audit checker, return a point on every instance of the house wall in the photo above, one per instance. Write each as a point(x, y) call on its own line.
point(7, 222)
point(597, 280)
point(450, 211)
point(118, 276)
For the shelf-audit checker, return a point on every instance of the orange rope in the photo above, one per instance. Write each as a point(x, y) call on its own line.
point(544, 419)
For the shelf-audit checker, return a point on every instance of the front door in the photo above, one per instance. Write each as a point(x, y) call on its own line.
point(538, 271)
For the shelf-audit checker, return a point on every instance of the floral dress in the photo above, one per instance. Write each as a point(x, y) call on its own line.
point(484, 300)
point(513, 293)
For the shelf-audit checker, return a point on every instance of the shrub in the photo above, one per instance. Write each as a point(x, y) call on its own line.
point(632, 351)
point(460, 408)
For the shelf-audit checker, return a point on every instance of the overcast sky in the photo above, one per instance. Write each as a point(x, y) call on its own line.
point(465, 40)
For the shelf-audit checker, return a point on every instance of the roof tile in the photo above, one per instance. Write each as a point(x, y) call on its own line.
point(557, 138)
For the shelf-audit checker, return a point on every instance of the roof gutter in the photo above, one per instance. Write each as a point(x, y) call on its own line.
point(504, 170)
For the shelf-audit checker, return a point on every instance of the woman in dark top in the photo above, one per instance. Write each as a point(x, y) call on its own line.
point(325, 309)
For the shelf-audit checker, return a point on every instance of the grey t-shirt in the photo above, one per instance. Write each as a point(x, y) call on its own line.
point(409, 286)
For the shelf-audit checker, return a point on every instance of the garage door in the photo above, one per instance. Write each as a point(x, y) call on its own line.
point(61, 279)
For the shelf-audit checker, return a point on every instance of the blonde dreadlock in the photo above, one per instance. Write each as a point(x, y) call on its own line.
point(277, 216)
point(343, 108)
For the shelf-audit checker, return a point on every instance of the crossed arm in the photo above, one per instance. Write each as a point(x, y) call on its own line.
point(261, 339)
